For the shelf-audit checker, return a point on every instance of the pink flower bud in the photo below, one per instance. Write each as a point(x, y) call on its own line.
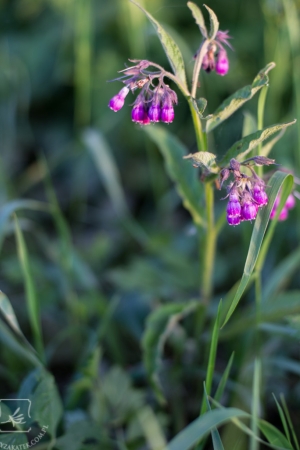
point(117, 102)
point(222, 64)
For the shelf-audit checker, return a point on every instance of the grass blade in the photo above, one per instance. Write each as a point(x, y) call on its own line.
point(288, 417)
point(31, 295)
point(223, 381)
point(283, 420)
point(217, 442)
point(255, 409)
point(212, 358)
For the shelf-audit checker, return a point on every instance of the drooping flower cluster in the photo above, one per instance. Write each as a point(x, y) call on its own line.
point(216, 56)
point(289, 204)
point(246, 193)
point(155, 101)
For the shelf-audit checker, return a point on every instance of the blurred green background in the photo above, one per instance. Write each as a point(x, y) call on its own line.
point(116, 241)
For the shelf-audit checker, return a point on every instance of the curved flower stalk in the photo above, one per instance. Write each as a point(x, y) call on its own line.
point(155, 101)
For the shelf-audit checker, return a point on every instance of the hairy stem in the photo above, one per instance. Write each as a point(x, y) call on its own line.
point(197, 67)
point(207, 250)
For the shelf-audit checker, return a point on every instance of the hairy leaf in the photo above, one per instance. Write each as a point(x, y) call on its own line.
point(205, 160)
point(235, 101)
point(214, 23)
point(241, 148)
point(198, 16)
point(170, 47)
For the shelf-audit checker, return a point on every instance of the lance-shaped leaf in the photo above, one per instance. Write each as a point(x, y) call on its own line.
point(183, 174)
point(159, 326)
point(279, 180)
point(241, 148)
point(170, 47)
point(214, 23)
point(235, 101)
point(198, 16)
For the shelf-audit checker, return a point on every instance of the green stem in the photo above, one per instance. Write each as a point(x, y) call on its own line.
point(207, 251)
point(210, 244)
point(197, 67)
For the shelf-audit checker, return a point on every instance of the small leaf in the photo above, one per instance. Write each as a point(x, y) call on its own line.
point(158, 327)
point(198, 16)
point(199, 105)
point(170, 47)
point(40, 387)
point(235, 101)
point(185, 177)
point(277, 181)
point(205, 160)
point(214, 23)
point(241, 148)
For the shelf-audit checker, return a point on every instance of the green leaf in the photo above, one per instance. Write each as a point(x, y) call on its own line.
point(31, 295)
point(199, 105)
point(184, 175)
point(269, 145)
point(9, 314)
point(198, 16)
point(241, 148)
point(217, 442)
point(9, 208)
point(223, 381)
point(159, 326)
point(82, 431)
point(8, 338)
point(274, 436)
point(200, 427)
point(283, 420)
point(255, 405)
point(273, 310)
point(235, 101)
point(170, 47)
point(41, 389)
point(214, 23)
point(205, 160)
point(106, 166)
point(289, 420)
point(278, 180)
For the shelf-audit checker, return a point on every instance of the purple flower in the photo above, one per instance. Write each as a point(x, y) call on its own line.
point(154, 112)
point(259, 195)
point(167, 113)
point(249, 209)
point(234, 220)
point(222, 65)
point(138, 112)
point(289, 204)
point(117, 102)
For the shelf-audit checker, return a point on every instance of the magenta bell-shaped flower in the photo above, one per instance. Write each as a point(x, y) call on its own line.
point(154, 113)
point(222, 64)
point(117, 102)
point(249, 210)
point(259, 195)
point(138, 113)
point(290, 202)
point(167, 113)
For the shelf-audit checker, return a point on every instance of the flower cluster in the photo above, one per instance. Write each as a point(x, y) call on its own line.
point(154, 103)
point(216, 56)
point(289, 204)
point(246, 193)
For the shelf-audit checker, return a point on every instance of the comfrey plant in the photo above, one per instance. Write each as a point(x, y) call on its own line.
point(250, 196)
